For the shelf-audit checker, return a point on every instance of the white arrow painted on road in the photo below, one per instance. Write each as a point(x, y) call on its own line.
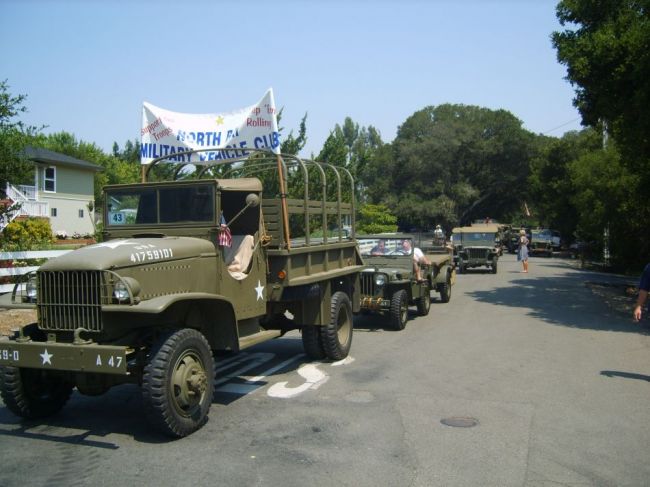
point(314, 378)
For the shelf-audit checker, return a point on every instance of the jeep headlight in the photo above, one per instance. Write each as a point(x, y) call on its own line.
point(31, 289)
point(380, 280)
point(121, 289)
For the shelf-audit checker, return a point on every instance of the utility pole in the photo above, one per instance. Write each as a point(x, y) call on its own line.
point(606, 230)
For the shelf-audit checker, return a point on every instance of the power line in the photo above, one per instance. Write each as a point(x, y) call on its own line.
point(560, 126)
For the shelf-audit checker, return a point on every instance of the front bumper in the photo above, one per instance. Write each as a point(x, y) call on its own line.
point(103, 359)
point(378, 303)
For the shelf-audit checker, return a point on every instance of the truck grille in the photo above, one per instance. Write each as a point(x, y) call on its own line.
point(367, 284)
point(478, 253)
point(68, 300)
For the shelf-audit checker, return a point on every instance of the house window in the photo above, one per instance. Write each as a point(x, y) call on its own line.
point(52, 211)
point(81, 213)
point(50, 179)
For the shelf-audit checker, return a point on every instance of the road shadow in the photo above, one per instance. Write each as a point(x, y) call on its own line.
point(376, 322)
point(563, 301)
point(625, 375)
point(85, 420)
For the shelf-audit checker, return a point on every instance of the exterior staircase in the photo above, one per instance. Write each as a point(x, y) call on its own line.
point(27, 198)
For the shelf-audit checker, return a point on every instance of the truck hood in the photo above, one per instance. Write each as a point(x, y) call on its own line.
point(120, 253)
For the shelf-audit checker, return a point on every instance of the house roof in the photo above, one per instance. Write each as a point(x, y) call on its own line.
point(46, 156)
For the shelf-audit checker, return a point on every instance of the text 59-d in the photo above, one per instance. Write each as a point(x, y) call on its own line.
point(10, 355)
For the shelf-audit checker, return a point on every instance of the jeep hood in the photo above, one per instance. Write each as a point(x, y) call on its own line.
point(119, 253)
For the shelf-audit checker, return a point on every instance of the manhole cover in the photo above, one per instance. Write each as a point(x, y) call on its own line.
point(459, 422)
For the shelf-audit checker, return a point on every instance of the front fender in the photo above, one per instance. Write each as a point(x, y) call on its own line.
point(212, 314)
point(161, 303)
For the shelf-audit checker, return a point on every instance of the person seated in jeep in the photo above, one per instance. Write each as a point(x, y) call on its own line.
point(418, 258)
point(379, 249)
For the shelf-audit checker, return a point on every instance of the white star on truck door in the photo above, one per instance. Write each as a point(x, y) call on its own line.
point(46, 357)
point(259, 290)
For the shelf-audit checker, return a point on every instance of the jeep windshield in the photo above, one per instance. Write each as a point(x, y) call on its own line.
point(471, 239)
point(542, 235)
point(161, 205)
point(370, 247)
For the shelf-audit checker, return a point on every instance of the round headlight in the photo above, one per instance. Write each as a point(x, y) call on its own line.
point(120, 291)
point(380, 280)
point(31, 288)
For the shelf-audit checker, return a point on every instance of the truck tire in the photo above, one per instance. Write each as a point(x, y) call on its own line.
point(399, 310)
point(33, 393)
point(336, 336)
point(312, 342)
point(445, 290)
point(178, 382)
point(494, 268)
point(424, 303)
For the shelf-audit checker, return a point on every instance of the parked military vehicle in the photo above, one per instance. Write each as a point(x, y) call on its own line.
point(512, 238)
point(541, 242)
point(388, 281)
point(164, 291)
point(476, 246)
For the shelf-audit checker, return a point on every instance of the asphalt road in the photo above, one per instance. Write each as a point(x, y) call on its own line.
point(558, 383)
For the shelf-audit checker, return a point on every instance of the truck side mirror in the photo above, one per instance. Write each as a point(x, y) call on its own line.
point(252, 200)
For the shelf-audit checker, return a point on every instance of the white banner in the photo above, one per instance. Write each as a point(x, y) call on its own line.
point(166, 133)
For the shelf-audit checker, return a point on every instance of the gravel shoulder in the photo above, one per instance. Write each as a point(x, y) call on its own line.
point(12, 319)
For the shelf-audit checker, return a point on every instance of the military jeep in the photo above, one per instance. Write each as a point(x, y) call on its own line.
point(541, 242)
point(388, 281)
point(187, 268)
point(476, 246)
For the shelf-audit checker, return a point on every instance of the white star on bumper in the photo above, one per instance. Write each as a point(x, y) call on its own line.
point(47, 357)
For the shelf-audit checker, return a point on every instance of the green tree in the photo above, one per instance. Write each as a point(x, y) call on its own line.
point(451, 164)
point(603, 190)
point(294, 144)
point(14, 136)
point(551, 185)
point(375, 219)
point(606, 49)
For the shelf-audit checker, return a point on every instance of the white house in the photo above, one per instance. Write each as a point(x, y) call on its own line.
point(63, 187)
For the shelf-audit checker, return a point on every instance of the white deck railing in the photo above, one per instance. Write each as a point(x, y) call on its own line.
point(22, 270)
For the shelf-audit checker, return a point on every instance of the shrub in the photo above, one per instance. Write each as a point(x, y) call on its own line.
point(28, 234)
point(99, 232)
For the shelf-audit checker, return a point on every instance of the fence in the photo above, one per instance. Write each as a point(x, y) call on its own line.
point(14, 271)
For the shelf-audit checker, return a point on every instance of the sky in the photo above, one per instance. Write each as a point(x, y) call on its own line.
point(88, 66)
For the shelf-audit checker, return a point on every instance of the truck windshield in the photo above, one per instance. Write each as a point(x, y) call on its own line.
point(160, 205)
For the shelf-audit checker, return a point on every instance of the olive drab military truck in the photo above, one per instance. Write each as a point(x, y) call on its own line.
point(187, 268)
point(388, 281)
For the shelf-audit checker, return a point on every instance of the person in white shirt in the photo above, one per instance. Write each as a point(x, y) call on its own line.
point(418, 258)
point(438, 233)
